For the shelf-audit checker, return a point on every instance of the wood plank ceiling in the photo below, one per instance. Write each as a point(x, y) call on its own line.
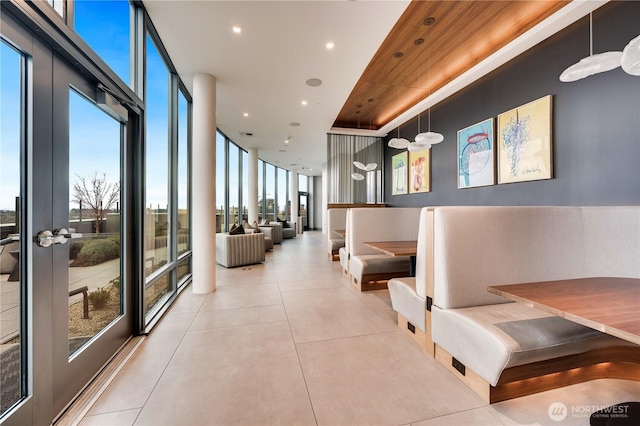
point(432, 43)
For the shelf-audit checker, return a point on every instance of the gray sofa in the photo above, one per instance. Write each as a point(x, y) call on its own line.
point(240, 250)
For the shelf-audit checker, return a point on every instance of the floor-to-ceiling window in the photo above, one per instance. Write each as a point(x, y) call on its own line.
point(184, 217)
point(233, 174)
point(281, 207)
point(245, 186)
point(261, 193)
point(221, 182)
point(157, 221)
point(270, 192)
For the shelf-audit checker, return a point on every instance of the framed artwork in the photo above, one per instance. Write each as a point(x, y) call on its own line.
point(476, 165)
point(420, 171)
point(524, 142)
point(399, 173)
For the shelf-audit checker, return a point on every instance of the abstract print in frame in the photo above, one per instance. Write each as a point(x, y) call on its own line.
point(524, 142)
point(476, 165)
point(399, 173)
point(420, 171)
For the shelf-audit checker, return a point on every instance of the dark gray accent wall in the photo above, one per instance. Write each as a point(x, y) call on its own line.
point(596, 122)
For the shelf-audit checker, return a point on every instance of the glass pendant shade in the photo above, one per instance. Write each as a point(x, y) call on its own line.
point(359, 165)
point(591, 65)
point(398, 143)
point(429, 138)
point(357, 176)
point(367, 168)
point(631, 57)
point(415, 147)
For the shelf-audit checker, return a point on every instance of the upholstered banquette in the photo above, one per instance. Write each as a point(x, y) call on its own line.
point(336, 220)
point(343, 252)
point(497, 346)
point(369, 268)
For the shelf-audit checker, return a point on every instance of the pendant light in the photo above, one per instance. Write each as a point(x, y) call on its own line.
point(592, 64)
point(418, 146)
point(398, 142)
point(428, 138)
point(631, 57)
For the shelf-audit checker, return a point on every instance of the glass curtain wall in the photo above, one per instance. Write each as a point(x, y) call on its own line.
point(110, 39)
point(261, 194)
point(270, 189)
point(282, 208)
point(244, 196)
point(234, 183)
point(167, 247)
point(221, 183)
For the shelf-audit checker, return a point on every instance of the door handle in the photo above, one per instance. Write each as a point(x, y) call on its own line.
point(59, 236)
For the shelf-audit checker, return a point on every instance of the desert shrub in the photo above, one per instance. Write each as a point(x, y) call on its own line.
point(99, 298)
point(97, 251)
point(75, 248)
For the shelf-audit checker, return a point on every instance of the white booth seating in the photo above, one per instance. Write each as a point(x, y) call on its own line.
point(336, 219)
point(369, 269)
point(496, 346)
point(411, 297)
point(343, 252)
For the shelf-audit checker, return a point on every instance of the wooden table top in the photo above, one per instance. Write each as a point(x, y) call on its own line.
point(341, 232)
point(609, 305)
point(395, 248)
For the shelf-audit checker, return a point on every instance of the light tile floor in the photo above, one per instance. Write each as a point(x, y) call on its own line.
point(290, 342)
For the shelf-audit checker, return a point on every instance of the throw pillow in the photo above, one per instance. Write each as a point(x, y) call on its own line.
point(236, 229)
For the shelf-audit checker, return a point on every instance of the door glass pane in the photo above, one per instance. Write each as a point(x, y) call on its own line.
point(303, 210)
point(157, 222)
point(221, 174)
point(94, 212)
point(104, 25)
point(183, 173)
point(11, 101)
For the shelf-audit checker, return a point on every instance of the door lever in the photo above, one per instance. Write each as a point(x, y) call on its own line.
point(58, 236)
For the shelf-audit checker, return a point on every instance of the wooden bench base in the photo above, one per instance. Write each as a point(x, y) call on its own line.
point(376, 281)
point(620, 362)
point(422, 338)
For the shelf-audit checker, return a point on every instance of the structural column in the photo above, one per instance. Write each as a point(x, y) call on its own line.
point(293, 191)
point(252, 201)
point(203, 184)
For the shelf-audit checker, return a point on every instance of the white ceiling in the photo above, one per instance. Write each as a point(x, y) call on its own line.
point(263, 70)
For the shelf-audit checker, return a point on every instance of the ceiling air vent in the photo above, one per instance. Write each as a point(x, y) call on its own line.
point(246, 133)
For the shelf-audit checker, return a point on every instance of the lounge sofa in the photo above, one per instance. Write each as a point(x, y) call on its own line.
point(288, 229)
point(336, 220)
point(239, 250)
point(273, 230)
point(369, 269)
point(496, 346)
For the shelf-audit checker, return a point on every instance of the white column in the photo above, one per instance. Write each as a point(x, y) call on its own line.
point(203, 184)
point(252, 201)
point(293, 194)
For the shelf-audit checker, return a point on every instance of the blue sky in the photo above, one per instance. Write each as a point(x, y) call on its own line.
point(104, 25)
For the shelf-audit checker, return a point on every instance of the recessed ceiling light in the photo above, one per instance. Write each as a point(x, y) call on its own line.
point(429, 21)
point(303, 102)
point(330, 45)
point(246, 114)
point(294, 124)
point(314, 82)
point(398, 55)
point(237, 29)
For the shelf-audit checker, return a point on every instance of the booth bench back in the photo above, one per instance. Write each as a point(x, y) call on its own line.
point(475, 247)
point(389, 224)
